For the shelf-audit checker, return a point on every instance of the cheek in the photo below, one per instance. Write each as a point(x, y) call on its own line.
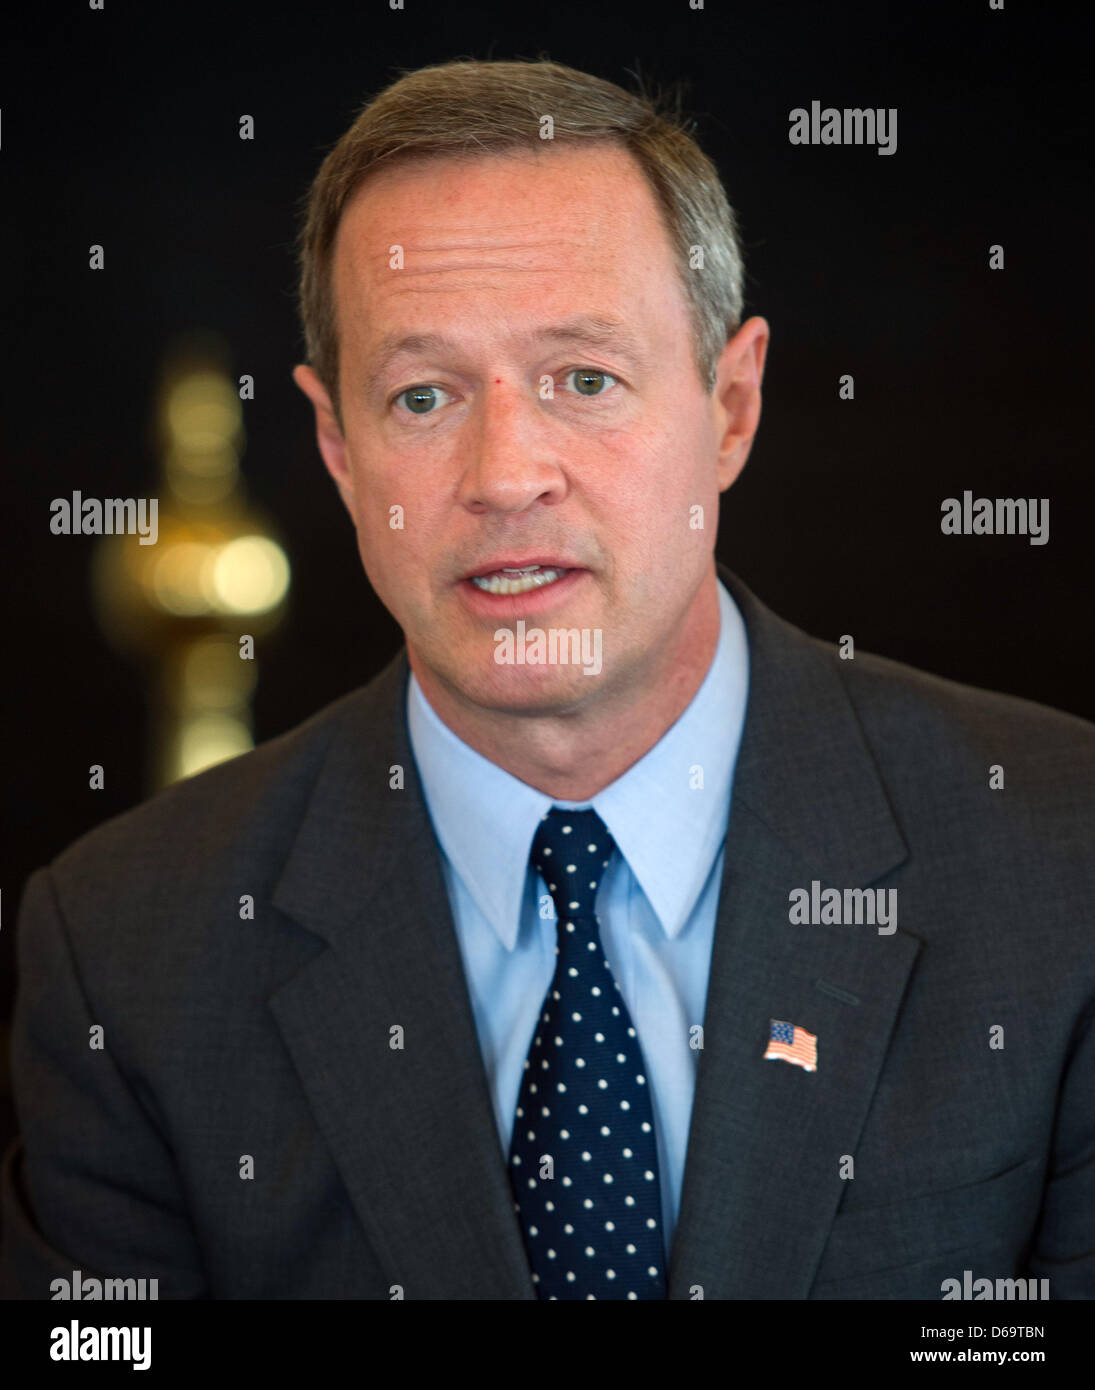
point(655, 486)
point(668, 510)
point(384, 515)
point(388, 476)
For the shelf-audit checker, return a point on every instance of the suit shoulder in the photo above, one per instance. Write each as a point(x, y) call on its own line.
point(244, 810)
point(911, 711)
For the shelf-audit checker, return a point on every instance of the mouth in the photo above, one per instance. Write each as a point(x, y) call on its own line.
point(518, 577)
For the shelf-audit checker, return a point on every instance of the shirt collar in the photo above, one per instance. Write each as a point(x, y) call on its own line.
point(666, 813)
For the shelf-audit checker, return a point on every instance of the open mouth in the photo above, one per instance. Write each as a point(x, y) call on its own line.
point(518, 581)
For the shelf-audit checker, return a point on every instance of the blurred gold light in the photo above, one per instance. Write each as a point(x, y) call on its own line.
point(250, 575)
point(203, 412)
point(177, 578)
point(216, 579)
point(204, 427)
point(213, 676)
point(206, 739)
point(202, 479)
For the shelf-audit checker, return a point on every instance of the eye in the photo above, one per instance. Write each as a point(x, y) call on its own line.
point(590, 380)
point(421, 399)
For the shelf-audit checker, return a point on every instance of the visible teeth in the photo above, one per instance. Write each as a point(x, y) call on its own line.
point(533, 577)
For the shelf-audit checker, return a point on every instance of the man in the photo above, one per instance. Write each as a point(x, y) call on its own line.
point(619, 940)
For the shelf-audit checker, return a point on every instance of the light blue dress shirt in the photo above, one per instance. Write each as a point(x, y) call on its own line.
point(656, 904)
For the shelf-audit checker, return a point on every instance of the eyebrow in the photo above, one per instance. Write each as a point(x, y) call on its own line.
point(585, 330)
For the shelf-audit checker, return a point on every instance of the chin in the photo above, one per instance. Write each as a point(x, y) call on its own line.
point(542, 690)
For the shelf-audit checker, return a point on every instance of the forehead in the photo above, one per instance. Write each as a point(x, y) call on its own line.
point(551, 222)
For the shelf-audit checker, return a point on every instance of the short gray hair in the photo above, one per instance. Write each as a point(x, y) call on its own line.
point(466, 108)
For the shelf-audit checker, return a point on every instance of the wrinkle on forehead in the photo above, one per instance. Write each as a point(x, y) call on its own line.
point(429, 252)
point(581, 219)
point(439, 259)
point(506, 214)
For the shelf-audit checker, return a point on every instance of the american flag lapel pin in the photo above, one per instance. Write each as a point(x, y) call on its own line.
point(789, 1043)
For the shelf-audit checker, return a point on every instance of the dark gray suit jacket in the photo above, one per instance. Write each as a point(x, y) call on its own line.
point(372, 1167)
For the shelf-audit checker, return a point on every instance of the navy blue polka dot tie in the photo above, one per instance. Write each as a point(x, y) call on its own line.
point(583, 1159)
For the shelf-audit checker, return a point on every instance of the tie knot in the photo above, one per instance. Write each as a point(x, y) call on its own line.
point(570, 851)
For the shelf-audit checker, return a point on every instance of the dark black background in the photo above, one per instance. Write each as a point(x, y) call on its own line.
point(121, 127)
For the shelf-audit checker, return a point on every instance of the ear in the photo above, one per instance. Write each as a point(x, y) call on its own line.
point(329, 436)
point(736, 398)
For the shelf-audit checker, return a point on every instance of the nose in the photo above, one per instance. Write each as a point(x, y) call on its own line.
point(511, 463)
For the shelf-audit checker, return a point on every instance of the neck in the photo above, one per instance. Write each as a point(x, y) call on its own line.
point(573, 756)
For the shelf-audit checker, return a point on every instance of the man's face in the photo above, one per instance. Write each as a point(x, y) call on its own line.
point(519, 440)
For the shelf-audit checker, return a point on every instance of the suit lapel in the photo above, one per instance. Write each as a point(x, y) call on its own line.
point(411, 1128)
point(761, 1183)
